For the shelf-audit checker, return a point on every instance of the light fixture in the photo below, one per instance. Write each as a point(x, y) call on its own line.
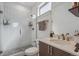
point(75, 9)
point(33, 16)
point(15, 24)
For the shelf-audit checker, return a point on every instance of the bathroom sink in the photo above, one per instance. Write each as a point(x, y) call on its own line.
point(63, 42)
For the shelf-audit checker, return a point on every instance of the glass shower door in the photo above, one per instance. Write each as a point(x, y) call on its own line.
point(1, 15)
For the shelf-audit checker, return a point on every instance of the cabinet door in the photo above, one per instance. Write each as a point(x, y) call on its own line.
point(58, 52)
point(43, 49)
point(47, 50)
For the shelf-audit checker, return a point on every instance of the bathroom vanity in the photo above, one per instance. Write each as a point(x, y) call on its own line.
point(56, 48)
point(47, 50)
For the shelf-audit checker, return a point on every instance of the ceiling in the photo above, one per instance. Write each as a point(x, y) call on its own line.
point(29, 4)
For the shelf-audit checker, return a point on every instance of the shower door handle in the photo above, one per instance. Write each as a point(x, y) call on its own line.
point(20, 31)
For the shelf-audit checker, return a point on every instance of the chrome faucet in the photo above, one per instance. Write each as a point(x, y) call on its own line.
point(63, 36)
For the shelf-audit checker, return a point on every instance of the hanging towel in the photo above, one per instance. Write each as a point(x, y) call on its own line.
point(42, 25)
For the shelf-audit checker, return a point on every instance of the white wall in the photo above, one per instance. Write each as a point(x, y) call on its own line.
point(41, 34)
point(46, 33)
point(15, 13)
point(63, 20)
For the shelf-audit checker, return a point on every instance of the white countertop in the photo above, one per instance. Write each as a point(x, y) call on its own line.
point(67, 46)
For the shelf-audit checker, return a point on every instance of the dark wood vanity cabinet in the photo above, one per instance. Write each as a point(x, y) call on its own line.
point(47, 50)
point(58, 52)
point(43, 49)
